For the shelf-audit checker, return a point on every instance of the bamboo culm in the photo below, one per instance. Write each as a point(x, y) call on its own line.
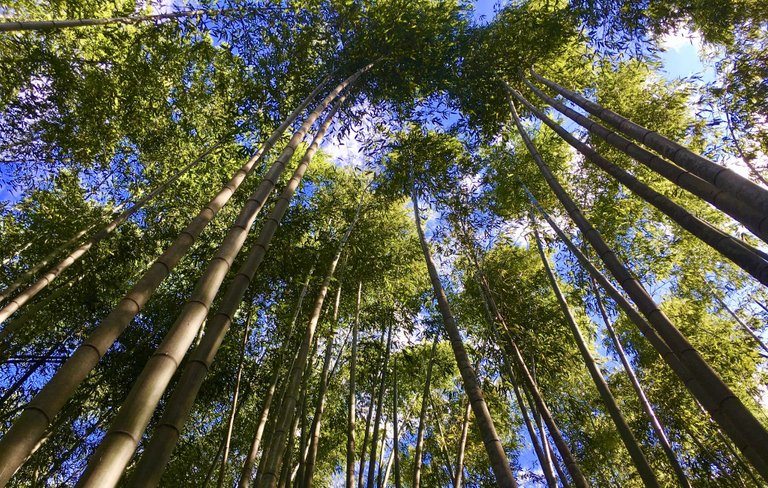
point(31, 425)
point(351, 411)
point(379, 410)
point(269, 477)
point(484, 421)
point(418, 456)
point(729, 203)
point(646, 404)
point(627, 437)
point(19, 300)
point(740, 253)
point(724, 406)
point(702, 167)
point(194, 374)
point(247, 471)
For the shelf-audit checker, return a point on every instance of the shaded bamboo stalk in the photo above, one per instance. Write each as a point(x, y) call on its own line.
point(702, 167)
point(379, 410)
point(724, 406)
point(496, 454)
point(627, 437)
point(250, 460)
point(277, 448)
point(658, 429)
point(419, 450)
point(235, 395)
point(727, 202)
point(351, 411)
point(740, 253)
point(48, 25)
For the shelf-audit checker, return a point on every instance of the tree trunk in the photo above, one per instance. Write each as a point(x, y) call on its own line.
point(724, 406)
point(368, 419)
point(350, 473)
point(493, 447)
point(458, 475)
point(48, 25)
point(751, 260)
point(379, 411)
point(646, 404)
point(630, 442)
point(314, 431)
point(702, 167)
point(250, 460)
point(31, 425)
point(19, 300)
point(419, 451)
point(278, 446)
point(736, 207)
point(116, 450)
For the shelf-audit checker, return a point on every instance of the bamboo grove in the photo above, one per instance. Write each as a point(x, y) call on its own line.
point(369, 244)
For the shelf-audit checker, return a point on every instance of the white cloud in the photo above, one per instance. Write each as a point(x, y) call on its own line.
point(678, 39)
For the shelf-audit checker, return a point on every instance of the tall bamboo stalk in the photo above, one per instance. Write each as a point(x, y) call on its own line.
point(729, 203)
point(751, 260)
point(116, 449)
point(483, 419)
point(233, 407)
point(250, 460)
point(459, 474)
point(314, 431)
point(646, 404)
point(269, 478)
point(419, 449)
point(48, 25)
point(627, 437)
point(379, 411)
point(702, 167)
point(723, 405)
point(31, 425)
point(19, 300)
point(351, 411)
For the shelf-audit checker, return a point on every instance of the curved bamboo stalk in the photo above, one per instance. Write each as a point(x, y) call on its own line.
point(116, 450)
point(483, 419)
point(31, 425)
point(727, 202)
point(724, 406)
point(743, 255)
point(702, 167)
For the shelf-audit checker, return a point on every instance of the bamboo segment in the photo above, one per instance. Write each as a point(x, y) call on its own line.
point(702, 167)
point(727, 202)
